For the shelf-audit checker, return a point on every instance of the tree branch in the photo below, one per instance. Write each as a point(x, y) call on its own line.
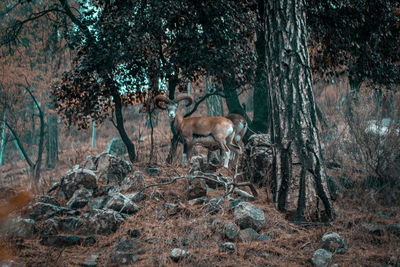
point(28, 160)
point(228, 183)
point(196, 105)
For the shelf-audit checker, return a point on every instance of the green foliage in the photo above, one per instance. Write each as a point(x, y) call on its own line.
point(359, 38)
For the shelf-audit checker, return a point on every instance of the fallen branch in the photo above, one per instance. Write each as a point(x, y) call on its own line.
point(226, 182)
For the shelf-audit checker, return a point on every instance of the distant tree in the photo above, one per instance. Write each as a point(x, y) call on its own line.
point(32, 56)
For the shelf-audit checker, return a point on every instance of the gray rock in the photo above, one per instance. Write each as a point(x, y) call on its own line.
point(177, 254)
point(50, 227)
point(231, 230)
point(131, 246)
point(371, 228)
point(89, 241)
point(136, 197)
point(123, 258)
point(249, 216)
point(76, 178)
point(197, 201)
point(79, 199)
point(321, 258)
point(101, 222)
point(334, 243)
point(116, 147)
point(196, 164)
point(10, 263)
point(196, 188)
point(257, 159)
point(111, 169)
point(90, 261)
point(244, 195)
point(21, 228)
point(233, 202)
point(42, 211)
point(61, 241)
point(69, 224)
point(217, 226)
point(47, 199)
point(122, 204)
point(153, 171)
point(248, 235)
point(97, 203)
point(227, 247)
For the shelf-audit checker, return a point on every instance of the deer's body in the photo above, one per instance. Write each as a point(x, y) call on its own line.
point(200, 130)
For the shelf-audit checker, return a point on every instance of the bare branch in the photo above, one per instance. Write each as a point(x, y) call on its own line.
point(196, 105)
point(28, 160)
point(226, 182)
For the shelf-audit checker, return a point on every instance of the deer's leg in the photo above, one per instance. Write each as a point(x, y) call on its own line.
point(184, 155)
point(224, 149)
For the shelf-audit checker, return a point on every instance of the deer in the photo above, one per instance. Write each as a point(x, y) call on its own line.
point(205, 131)
point(240, 126)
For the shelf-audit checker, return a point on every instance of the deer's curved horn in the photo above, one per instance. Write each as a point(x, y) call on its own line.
point(185, 97)
point(158, 100)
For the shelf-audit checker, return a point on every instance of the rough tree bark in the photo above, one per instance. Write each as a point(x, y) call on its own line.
point(294, 122)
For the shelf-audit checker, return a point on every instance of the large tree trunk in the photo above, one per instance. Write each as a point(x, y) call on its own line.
point(294, 124)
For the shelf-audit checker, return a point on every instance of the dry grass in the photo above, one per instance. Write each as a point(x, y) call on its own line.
point(193, 229)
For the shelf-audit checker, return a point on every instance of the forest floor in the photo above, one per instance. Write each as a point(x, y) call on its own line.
point(362, 220)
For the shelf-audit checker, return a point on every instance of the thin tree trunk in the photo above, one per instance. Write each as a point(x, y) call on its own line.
point(94, 134)
point(120, 126)
point(213, 103)
point(3, 136)
point(36, 167)
point(52, 142)
point(294, 123)
point(231, 97)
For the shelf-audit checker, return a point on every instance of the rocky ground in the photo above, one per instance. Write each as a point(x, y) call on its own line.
point(109, 212)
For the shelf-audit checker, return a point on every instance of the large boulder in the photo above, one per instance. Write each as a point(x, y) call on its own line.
point(111, 169)
point(42, 211)
point(21, 228)
point(321, 258)
point(196, 188)
point(77, 178)
point(79, 199)
point(257, 159)
point(100, 222)
point(122, 204)
point(116, 147)
point(249, 216)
